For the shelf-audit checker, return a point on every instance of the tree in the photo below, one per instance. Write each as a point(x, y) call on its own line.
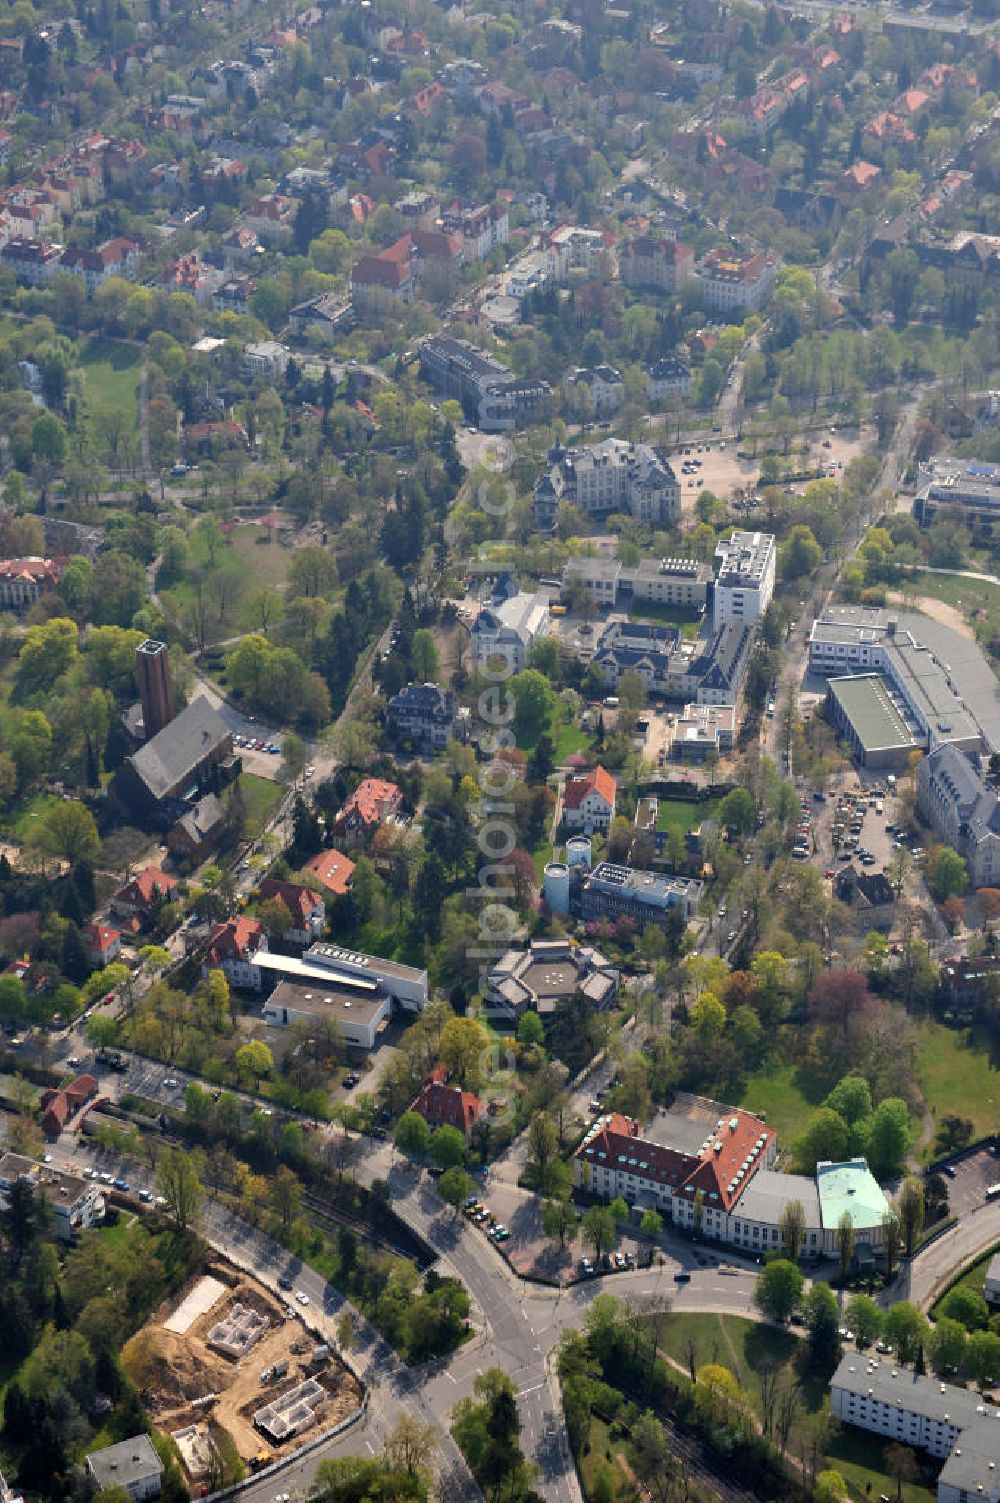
point(286, 1196)
point(543, 1144)
point(820, 1310)
point(792, 1224)
point(533, 699)
point(447, 1147)
point(410, 1446)
point(652, 1458)
point(906, 1330)
point(294, 756)
point(312, 571)
point(851, 1098)
point(801, 554)
point(778, 1290)
point(947, 873)
point(253, 1061)
point(967, 1306)
point(531, 1029)
point(946, 1348)
point(889, 1138)
point(412, 1136)
point(845, 1242)
point(68, 829)
point(559, 1221)
point(891, 1239)
point(863, 1316)
point(900, 1461)
point(830, 1487)
point(599, 1229)
point(651, 1223)
point(910, 1205)
point(463, 1047)
point(178, 1180)
point(737, 812)
point(982, 1358)
point(827, 1137)
point(275, 917)
point(455, 1186)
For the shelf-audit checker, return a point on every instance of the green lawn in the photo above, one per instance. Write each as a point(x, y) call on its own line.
point(567, 737)
point(956, 1077)
point(687, 621)
point(773, 1092)
point(974, 1277)
point(684, 814)
point(261, 798)
point(19, 820)
point(860, 1459)
point(110, 375)
point(596, 1459)
point(968, 595)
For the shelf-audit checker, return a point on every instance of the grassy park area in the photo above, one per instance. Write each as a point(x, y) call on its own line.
point(955, 1075)
point(684, 814)
point(747, 1348)
point(110, 373)
point(261, 797)
point(774, 1093)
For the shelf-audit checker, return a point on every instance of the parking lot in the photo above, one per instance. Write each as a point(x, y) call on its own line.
point(968, 1179)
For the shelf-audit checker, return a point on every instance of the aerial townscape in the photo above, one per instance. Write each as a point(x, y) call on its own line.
point(500, 751)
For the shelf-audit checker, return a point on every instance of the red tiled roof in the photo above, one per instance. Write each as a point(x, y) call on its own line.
point(332, 870)
point(445, 1105)
point(713, 1171)
point(81, 1089)
point(99, 936)
point(236, 939)
point(300, 901)
point(370, 801)
point(597, 781)
point(143, 887)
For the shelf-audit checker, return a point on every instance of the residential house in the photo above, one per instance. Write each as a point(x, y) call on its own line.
point(602, 383)
point(388, 276)
point(667, 377)
point(588, 801)
point(272, 218)
point(372, 802)
point(102, 943)
point(198, 830)
point(422, 713)
point(141, 896)
point(23, 580)
point(660, 264)
point(306, 907)
point(131, 1464)
point(869, 894)
point(234, 948)
point(34, 262)
point(266, 360)
point(332, 871)
point(732, 281)
point(443, 1105)
point(115, 258)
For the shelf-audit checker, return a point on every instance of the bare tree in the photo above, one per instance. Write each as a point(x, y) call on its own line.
point(788, 1405)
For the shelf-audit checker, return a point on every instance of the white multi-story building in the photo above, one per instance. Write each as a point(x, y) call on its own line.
point(744, 582)
point(76, 1203)
point(235, 948)
point(670, 581)
point(132, 1464)
point(570, 248)
point(879, 1395)
point(508, 629)
point(736, 283)
point(610, 476)
point(266, 359)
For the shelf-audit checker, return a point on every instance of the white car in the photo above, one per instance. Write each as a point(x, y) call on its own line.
point(169, 1083)
point(302, 1297)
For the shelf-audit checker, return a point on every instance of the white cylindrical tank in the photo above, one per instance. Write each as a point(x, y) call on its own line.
point(555, 884)
point(578, 850)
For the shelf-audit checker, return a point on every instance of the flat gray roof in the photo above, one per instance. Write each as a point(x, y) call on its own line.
point(333, 956)
point(328, 999)
point(129, 1461)
point(866, 702)
point(890, 1383)
point(972, 1465)
point(768, 1193)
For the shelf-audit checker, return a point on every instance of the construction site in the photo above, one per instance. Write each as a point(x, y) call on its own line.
point(228, 1369)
